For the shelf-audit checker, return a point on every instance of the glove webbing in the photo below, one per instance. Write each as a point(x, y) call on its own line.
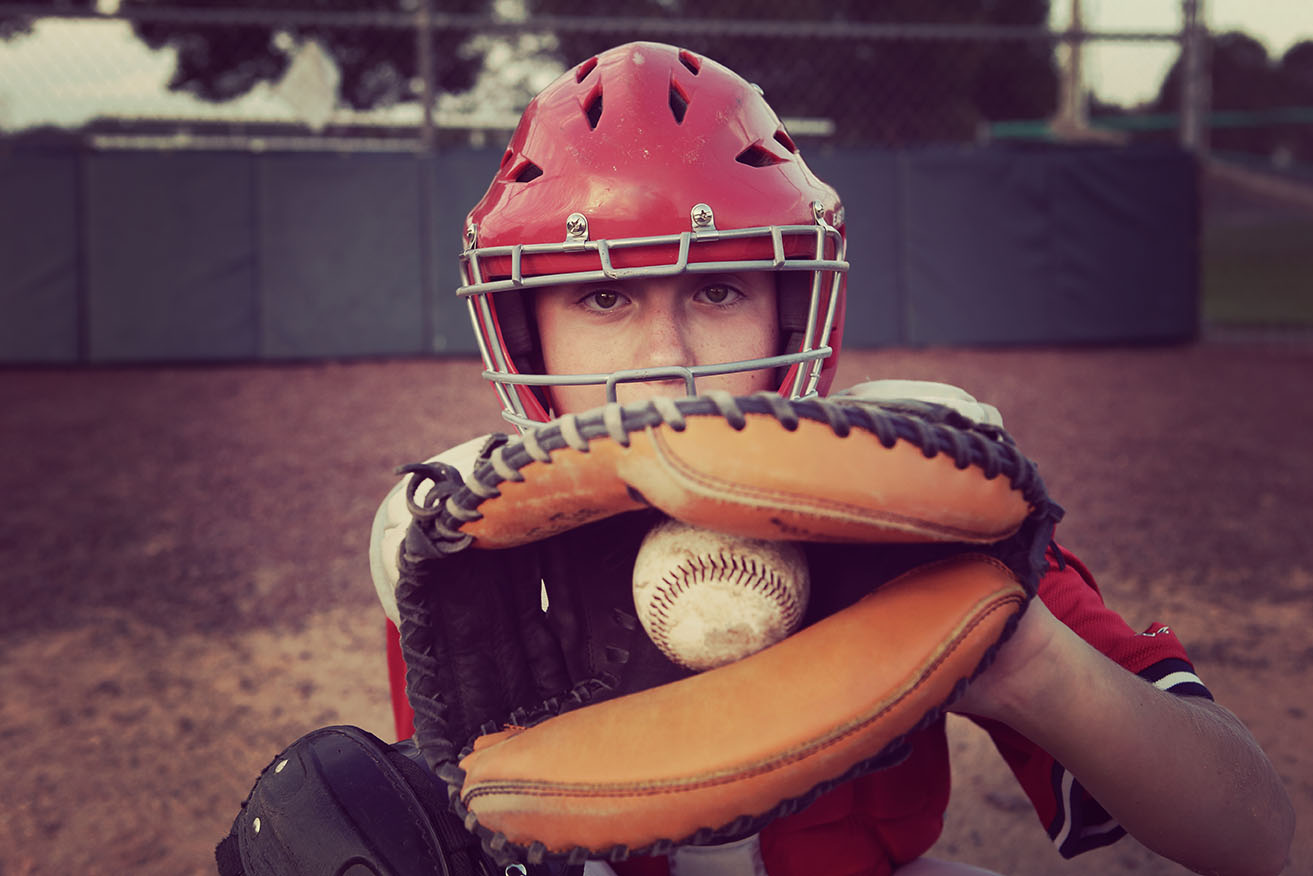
point(475, 644)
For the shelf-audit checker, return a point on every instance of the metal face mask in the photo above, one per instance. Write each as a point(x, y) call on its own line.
point(650, 161)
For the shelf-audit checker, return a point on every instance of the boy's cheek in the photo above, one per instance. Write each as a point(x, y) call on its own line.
point(743, 382)
point(576, 399)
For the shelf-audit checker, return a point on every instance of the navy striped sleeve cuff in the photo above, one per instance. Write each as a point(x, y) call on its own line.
point(1175, 676)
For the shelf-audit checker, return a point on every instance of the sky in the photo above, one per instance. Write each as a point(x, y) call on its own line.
point(65, 71)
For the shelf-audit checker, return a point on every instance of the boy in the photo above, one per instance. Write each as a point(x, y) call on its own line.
point(647, 141)
point(652, 230)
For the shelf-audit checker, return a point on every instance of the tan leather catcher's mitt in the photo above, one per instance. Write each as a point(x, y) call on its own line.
point(557, 742)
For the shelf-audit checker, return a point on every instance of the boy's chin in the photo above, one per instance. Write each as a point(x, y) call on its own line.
point(577, 399)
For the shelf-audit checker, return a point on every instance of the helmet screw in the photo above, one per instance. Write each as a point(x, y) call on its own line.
point(818, 211)
point(471, 234)
point(576, 226)
point(702, 216)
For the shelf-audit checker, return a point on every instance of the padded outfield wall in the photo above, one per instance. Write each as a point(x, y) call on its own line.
point(194, 256)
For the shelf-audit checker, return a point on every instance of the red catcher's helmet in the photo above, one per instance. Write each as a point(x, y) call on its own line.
point(649, 160)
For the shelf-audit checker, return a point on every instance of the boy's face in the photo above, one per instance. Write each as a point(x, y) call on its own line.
point(687, 319)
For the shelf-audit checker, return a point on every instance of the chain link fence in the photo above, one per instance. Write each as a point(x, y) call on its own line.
point(413, 75)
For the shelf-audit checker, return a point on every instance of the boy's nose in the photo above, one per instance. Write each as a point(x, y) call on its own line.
point(664, 336)
point(663, 342)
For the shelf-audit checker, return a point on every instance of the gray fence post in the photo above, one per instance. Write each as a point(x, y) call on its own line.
point(1194, 78)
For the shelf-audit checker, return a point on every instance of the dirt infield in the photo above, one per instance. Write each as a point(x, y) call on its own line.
point(186, 586)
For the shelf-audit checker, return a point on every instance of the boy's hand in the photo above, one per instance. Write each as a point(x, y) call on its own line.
point(1180, 773)
point(1021, 669)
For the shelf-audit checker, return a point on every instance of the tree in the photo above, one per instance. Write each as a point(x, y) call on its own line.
point(1296, 69)
point(1296, 73)
point(1241, 77)
point(1017, 80)
point(14, 25)
point(877, 91)
point(222, 61)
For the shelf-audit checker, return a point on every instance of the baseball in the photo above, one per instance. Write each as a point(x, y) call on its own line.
point(707, 598)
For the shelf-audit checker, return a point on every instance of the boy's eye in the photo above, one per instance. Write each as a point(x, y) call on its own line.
point(604, 299)
point(719, 294)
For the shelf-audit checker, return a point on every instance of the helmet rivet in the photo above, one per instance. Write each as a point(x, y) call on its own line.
point(576, 226)
point(818, 211)
point(702, 216)
point(471, 234)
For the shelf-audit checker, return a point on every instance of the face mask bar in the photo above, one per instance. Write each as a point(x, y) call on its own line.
point(809, 359)
point(474, 258)
point(641, 375)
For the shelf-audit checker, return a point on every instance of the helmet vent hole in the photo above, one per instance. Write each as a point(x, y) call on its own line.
point(528, 171)
point(593, 110)
point(690, 61)
point(782, 137)
point(678, 103)
point(584, 69)
point(757, 156)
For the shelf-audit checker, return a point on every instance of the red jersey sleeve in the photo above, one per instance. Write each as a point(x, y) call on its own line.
point(1075, 821)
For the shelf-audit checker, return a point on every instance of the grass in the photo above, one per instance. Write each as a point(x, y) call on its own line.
point(1259, 273)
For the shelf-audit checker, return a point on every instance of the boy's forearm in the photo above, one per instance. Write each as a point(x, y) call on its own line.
point(1181, 774)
